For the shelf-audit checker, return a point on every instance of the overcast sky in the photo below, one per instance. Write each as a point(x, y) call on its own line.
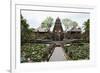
point(34, 18)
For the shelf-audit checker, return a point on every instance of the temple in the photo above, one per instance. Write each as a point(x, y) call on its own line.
point(58, 34)
point(58, 31)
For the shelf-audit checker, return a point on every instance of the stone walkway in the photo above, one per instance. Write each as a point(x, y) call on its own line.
point(58, 55)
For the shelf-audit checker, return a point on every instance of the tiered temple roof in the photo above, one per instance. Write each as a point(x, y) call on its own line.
point(58, 26)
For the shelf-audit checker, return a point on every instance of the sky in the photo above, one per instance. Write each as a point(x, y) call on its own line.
point(35, 18)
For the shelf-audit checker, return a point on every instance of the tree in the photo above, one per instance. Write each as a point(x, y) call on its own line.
point(69, 23)
point(47, 23)
point(24, 29)
point(26, 32)
point(74, 24)
point(86, 27)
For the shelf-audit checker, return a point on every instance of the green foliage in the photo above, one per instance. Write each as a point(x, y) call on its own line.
point(85, 34)
point(87, 25)
point(47, 23)
point(77, 51)
point(69, 23)
point(33, 52)
point(26, 32)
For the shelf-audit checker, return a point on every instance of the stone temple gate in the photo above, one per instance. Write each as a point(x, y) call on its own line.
point(58, 34)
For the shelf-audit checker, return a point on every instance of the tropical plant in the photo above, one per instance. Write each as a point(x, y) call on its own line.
point(26, 32)
point(69, 23)
point(47, 23)
point(33, 52)
point(77, 51)
point(86, 27)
